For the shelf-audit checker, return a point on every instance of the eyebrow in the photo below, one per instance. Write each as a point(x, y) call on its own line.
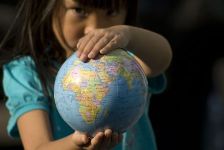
point(75, 1)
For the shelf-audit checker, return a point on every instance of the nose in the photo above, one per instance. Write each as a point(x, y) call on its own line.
point(90, 28)
point(94, 21)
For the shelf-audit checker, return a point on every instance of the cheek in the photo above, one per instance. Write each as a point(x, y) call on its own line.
point(71, 36)
point(73, 31)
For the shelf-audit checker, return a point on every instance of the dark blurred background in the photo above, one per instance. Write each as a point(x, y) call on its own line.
point(183, 117)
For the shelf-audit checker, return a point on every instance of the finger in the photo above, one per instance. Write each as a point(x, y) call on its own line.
point(99, 45)
point(108, 138)
point(108, 48)
point(113, 44)
point(96, 142)
point(78, 52)
point(80, 139)
point(82, 43)
point(89, 46)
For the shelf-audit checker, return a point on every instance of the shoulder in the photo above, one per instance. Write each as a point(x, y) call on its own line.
point(20, 72)
point(19, 67)
point(20, 61)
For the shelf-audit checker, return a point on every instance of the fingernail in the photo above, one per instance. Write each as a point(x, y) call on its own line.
point(83, 57)
point(78, 44)
point(102, 51)
point(86, 140)
point(91, 55)
point(78, 53)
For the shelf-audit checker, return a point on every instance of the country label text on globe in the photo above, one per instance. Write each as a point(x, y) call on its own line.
point(108, 92)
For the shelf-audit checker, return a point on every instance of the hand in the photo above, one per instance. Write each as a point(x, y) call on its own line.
point(101, 141)
point(102, 41)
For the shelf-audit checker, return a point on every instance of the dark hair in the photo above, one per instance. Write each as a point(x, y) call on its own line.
point(32, 34)
point(131, 6)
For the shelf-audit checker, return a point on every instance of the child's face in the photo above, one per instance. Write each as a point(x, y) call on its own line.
point(72, 21)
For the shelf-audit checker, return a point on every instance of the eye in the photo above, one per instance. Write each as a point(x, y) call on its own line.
point(112, 12)
point(80, 11)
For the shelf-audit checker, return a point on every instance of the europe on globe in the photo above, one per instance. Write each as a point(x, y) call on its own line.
point(108, 92)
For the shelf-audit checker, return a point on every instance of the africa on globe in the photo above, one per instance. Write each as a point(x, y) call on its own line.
point(108, 92)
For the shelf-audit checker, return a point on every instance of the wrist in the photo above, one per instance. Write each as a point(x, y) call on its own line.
point(127, 33)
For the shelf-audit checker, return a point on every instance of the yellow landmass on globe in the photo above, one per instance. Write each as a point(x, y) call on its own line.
point(89, 94)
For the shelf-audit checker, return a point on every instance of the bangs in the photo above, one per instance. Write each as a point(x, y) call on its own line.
point(104, 4)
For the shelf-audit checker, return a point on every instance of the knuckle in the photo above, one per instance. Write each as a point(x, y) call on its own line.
point(96, 48)
point(117, 36)
point(113, 42)
point(105, 40)
point(85, 52)
point(93, 41)
point(89, 43)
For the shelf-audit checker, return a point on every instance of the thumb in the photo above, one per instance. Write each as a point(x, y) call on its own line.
point(80, 139)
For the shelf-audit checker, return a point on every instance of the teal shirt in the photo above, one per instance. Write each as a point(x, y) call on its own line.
point(24, 92)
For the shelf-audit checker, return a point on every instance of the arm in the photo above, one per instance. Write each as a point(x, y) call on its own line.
point(153, 49)
point(35, 131)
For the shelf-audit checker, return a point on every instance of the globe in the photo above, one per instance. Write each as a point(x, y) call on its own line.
point(108, 92)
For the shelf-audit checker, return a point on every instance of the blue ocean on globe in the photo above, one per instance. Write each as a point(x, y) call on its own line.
point(108, 92)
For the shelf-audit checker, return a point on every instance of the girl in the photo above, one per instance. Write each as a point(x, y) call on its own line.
point(49, 32)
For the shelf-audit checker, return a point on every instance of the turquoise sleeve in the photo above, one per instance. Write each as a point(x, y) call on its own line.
point(23, 90)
